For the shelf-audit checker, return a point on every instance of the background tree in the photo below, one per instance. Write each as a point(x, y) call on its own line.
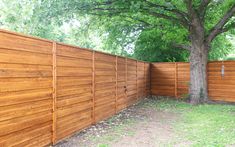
point(146, 29)
point(199, 23)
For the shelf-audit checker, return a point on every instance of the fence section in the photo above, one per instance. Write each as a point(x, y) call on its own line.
point(105, 86)
point(173, 79)
point(74, 90)
point(50, 90)
point(25, 91)
point(221, 80)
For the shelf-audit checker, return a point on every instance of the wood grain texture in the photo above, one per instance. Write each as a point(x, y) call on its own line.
point(220, 88)
point(49, 90)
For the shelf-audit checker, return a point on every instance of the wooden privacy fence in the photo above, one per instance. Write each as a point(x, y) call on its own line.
point(172, 79)
point(50, 90)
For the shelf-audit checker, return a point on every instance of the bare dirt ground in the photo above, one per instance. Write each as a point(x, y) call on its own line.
point(137, 126)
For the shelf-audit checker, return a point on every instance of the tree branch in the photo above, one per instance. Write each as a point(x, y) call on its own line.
point(182, 46)
point(182, 16)
point(164, 16)
point(202, 8)
point(218, 28)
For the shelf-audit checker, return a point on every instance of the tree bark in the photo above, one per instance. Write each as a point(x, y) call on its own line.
point(198, 73)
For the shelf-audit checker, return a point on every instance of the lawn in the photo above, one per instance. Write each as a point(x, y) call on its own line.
point(164, 122)
point(203, 125)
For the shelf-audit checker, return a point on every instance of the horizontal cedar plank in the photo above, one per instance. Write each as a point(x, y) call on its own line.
point(19, 97)
point(75, 52)
point(165, 65)
point(162, 84)
point(222, 82)
point(121, 63)
point(73, 62)
point(121, 79)
point(121, 83)
point(105, 57)
point(221, 94)
point(13, 111)
point(73, 128)
point(105, 86)
point(162, 93)
point(163, 87)
point(28, 134)
point(101, 99)
point(74, 90)
point(21, 57)
point(163, 80)
point(215, 86)
point(66, 121)
point(104, 108)
point(121, 69)
point(227, 99)
point(121, 92)
point(228, 73)
point(104, 101)
point(163, 90)
point(131, 92)
point(24, 70)
point(121, 96)
point(104, 115)
point(71, 100)
point(103, 79)
point(131, 63)
point(221, 78)
point(107, 72)
point(73, 81)
point(105, 94)
point(105, 63)
point(71, 109)
point(17, 124)
point(41, 140)
point(74, 116)
point(73, 72)
point(21, 43)
point(162, 70)
point(18, 84)
point(121, 75)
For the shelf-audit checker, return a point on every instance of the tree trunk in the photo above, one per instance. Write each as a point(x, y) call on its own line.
point(198, 73)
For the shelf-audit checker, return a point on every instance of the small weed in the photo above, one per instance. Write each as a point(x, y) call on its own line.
point(103, 145)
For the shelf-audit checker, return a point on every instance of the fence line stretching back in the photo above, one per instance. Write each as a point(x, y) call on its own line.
point(50, 90)
point(173, 79)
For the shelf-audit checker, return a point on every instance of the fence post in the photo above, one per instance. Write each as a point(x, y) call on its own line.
point(116, 84)
point(93, 87)
point(176, 79)
point(126, 80)
point(54, 74)
point(145, 82)
point(137, 92)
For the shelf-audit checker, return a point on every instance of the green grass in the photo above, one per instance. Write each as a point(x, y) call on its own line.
point(202, 125)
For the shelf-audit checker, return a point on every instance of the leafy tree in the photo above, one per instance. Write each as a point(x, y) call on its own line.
point(177, 28)
point(195, 24)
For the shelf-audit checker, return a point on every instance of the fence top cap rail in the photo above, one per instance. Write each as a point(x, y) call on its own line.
point(217, 61)
point(61, 43)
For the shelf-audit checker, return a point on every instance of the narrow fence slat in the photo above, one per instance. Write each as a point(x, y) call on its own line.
point(126, 79)
point(116, 86)
point(137, 92)
point(93, 87)
point(54, 93)
point(176, 80)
